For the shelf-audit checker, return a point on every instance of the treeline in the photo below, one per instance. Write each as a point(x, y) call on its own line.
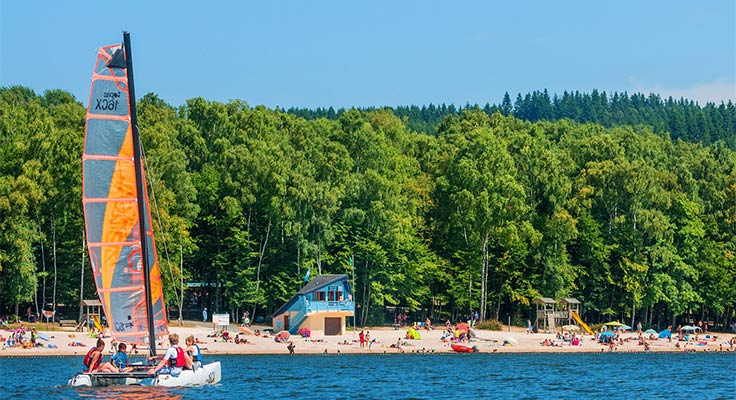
point(682, 119)
point(489, 213)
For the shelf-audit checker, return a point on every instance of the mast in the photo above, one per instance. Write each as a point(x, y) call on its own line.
point(140, 196)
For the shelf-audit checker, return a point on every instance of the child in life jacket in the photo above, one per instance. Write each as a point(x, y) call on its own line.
point(174, 360)
point(194, 352)
point(120, 359)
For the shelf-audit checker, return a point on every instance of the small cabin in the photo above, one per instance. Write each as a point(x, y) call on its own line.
point(322, 306)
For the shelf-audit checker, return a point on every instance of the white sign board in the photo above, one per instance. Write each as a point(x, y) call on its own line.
point(221, 319)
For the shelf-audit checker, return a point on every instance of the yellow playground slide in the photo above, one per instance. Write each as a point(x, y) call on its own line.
point(98, 324)
point(579, 320)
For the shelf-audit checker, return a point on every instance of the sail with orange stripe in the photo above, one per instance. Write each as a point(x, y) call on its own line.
point(110, 200)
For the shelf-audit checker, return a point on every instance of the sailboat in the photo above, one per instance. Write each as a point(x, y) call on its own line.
point(118, 224)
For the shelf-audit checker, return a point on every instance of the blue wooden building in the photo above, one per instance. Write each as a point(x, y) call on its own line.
point(322, 305)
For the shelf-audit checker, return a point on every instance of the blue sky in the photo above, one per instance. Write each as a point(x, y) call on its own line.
point(376, 53)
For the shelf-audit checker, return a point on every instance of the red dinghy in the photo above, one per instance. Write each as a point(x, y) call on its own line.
point(464, 349)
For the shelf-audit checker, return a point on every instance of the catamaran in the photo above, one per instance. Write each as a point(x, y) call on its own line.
point(118, 224)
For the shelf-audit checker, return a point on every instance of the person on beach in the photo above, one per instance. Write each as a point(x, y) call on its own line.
point(291, 347)
point(204, 315)
point(529, 327)
point(361, 337)
point(120, 359)
point(174, 361)
point(194, 351)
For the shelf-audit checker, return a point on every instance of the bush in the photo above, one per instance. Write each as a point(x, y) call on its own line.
point(491, 325)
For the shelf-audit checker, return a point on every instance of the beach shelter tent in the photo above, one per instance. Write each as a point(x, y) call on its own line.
point(665, 334)
point(650, 332)
point(690, 328)
point(413, 334)
point(606, 337)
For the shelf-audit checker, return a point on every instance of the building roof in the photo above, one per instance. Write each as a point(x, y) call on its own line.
point(91, 303)
point(545, 300)
point(570, 300)
point(320, 281)
point(317, 282)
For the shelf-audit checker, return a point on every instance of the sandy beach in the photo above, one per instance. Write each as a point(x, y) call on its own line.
point(516, 340)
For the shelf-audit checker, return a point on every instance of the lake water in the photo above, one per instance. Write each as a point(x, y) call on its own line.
point(449, 376)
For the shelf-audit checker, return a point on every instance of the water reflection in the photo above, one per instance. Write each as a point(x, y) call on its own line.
point(129, 393)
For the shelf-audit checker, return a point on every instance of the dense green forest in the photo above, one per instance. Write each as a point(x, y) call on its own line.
point(488, 212)
point(681, 119)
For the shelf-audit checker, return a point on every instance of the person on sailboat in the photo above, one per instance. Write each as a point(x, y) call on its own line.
point(94, 357)
point(120, 359)
point(174, 360)
point(194, 352)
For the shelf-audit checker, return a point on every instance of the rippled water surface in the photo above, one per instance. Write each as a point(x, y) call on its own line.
point(449, 376)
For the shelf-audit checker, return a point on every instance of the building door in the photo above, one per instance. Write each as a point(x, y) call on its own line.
point(286, 322)
point(333, 326)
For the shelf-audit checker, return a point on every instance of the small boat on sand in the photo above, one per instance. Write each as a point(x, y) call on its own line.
point(461, 348)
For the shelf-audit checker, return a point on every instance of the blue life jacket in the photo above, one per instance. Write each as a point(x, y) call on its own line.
point(198, 356)
point(120, 360)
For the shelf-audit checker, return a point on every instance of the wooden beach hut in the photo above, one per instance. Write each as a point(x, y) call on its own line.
point(322, 306)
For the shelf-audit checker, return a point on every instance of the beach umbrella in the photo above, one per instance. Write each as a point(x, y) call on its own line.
point(607, 333)
point(570, 328)
point(624, 328)
point(511, 341)
point(614, 323)
point(650, 332)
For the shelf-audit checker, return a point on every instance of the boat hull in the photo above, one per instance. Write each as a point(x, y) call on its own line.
point(463, 349)
point(208, 374)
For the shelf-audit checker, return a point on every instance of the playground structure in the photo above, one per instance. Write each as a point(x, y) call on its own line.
point(550, 315)
point(93, 312)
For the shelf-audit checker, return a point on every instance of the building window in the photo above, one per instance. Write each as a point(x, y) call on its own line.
point(320, 296)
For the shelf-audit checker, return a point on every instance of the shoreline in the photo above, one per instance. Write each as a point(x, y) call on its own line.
point(491, 342)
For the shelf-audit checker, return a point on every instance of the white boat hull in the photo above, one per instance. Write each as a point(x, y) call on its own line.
point(208, 374)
